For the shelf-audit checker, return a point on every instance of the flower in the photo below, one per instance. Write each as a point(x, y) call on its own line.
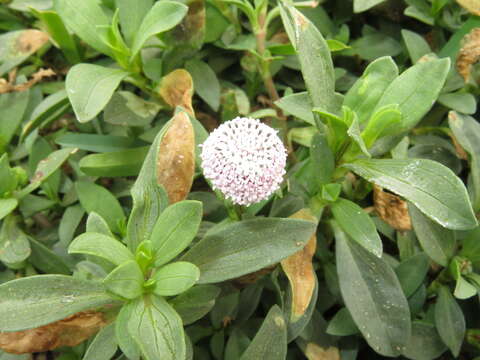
point(245, 160)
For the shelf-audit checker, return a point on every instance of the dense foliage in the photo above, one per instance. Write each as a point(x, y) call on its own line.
point(119, 239)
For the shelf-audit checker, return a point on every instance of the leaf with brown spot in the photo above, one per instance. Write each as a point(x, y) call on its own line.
point(315, 352)
point(469, 54)
point(176, 89)
point(176, 158)
point(190, 32)
point(471, 5)
point(299, 270)
point(17, 46)
point(70, 331)
point(391, 209)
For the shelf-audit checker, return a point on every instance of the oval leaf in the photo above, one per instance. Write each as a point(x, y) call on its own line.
point(126, 280)
point(175, 278)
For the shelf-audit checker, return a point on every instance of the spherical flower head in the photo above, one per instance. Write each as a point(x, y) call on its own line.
point(245, 159)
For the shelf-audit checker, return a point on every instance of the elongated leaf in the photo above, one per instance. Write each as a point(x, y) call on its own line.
point(103, 346)
point(270, 342)
point(126, 280)
point(125, 341)
point(90, 87)
point(298, 105)
point(175, 278)
point(132, 14)
point(157, 329)
point(38, 300)
point(100, 245)
point(314, 56)
point(46, 260)
point(175, 229)
point(163, 16)
point(432, 187)
point(417, 46)
point(97, 143)
point(449, 320)
point(205, 82)
point(7, 206)
point(411, 273)
point(244, 247)
point(438, 242)
point(13, 106)
point(358, 224)
point(373, 295)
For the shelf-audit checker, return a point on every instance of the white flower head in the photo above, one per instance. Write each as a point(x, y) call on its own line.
point(245, 159)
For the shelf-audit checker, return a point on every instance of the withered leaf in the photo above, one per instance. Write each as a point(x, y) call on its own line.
point(176, 89)
point(10, 86)
point(315, 352)
point(191, 31)
point(299, 270)
point(176, 158)
point(469, 54)
point(391, 209)
point(70, 331)
point(471, 5)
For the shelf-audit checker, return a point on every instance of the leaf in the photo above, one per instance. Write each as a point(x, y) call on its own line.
point(84, 19)
point(342, 324)
point(430, 186)
point(372, 294)
point(439, 243)
point(358, 224)
point(14, 245)
point(66, 332)
point(298, 105)
point(175, 229)
point(96, 198)
point(314, 56)
point(391, 209)
point(195, 303)
point(14, 106)
point(462, 102)
point(125, 341)
point(449, 321)
point(175, 278)
point(176, 158)
point(247, 246)
point(113, 164)
point(97, 143)
point(365, 94)
point(161, 17)
point(416, 90)
point(38, 300)
point(470, 5)
point(299, 270)
point(412, 272)
point(132, 14)
point(17, 46)
point(469, 53)
point(127, 109)
point(103, 346)
point(363, 5)
point(270, 342)
point(7, 206)
point(205, 82)
point(424, 343)
point(46, 260)
point(417, 46)
point(157, 329)
point(97, 224)
point(126, 280)
point(9, 178)
point(176, 89)
point(385, 121)
point(375, 45)
point(102, 246)
point(90, 87)
point(190, 32)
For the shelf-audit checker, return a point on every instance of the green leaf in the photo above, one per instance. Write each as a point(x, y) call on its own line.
point(104, 345)
point(437, 242)
point(449, 320)
point(298, 105)
point(270, 342)
point(12, 106)
point(46, 260)
point(7, 206)
point(416, 90)
point(195, 303)
point(125, 341)
point(163, 16)
point(430, 186)
point(463, 289)
point(127, 109)
point(375, 45)
point(365, 94)
point(97, 224)
point(14, 245)
point(363, 5)
point(467, 132)
point(247, 246)
point(354, 133)
point(175, 229)
point(102, 246)
point(126, 280)
point(322, 159)
point(372, 294)
point(459, 101)
point(417, 46)
point(358, 224)
point(131, 16)
point(85, 18)
point(412, 272)
point(342, 324)
point(96, 198)
point(34, 301)
point(385, 121)
point(205, 82)
point(97, 143)
point(314, 56)
point(175, 278)
point(157, 329)
point(90, 87)
point(9, 179)
point(424, 343)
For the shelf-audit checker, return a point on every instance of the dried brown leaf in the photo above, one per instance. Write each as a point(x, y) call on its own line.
point(471, 5)
point(469, 54)
point(70, 331)
point(176, 89)
point(315, 352)
point(191, 31)
point(31, 40)
point(299, 270)
point(9, 86)
point(176, 158)
point(391, 209)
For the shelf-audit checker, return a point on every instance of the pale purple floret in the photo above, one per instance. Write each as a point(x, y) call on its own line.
point(245, 160)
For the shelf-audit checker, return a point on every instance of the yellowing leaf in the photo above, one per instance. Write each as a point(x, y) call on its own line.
point(391, 209)
point(315, 352)
point(299, 270)
point(176, 158)
point(471, 5)
point(469, 54)
point(176, 89)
